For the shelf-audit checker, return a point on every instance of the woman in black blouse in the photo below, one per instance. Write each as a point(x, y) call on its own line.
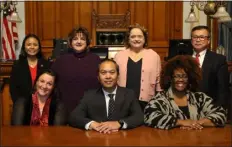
point(24, 71)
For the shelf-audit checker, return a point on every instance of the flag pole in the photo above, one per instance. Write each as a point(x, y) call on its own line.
point(1, 54)
point(3, 6)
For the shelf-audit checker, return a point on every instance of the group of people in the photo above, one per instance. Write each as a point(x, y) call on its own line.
point(81, 90)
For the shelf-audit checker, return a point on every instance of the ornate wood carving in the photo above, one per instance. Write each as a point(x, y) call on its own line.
point(5, 69)
point(111, 21)
point(109, 29)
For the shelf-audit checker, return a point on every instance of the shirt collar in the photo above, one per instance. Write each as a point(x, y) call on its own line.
point(106, 93)
point(201, 53)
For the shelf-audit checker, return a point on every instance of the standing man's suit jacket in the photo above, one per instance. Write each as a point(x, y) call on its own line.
point(93, 107)
point(215, 78)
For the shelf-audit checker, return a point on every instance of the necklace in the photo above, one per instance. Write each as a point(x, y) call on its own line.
point(136, 56)
point(32, 63)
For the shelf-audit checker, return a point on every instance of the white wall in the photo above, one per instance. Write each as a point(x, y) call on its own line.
point(21, 26)
point(186, 26)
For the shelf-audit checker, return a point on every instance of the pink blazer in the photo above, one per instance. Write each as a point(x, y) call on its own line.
point(150, 74)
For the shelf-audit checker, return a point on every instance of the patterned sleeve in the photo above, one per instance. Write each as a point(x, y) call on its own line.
point(211, 111)
point(156, 114)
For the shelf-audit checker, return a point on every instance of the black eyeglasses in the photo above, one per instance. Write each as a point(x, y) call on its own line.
point(201, 38)
point(178, 77)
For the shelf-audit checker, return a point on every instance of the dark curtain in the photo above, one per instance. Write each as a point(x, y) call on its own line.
point(225, 35)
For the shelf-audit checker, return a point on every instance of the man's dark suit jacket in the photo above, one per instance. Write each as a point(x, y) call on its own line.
point(20, 78)
point(93, 107)
point(215, 78)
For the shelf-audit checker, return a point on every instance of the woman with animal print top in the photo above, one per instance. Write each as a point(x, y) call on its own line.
point(180, 105)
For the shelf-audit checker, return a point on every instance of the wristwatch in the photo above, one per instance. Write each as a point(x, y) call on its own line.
point(121, 122)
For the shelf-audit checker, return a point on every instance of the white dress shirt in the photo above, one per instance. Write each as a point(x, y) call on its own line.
point(201, 57)
point(107, 99)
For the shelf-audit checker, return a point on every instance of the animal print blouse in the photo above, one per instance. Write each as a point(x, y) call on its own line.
point(162, 112)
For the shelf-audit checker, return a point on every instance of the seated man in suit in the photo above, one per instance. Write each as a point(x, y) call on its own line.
point(109, 108)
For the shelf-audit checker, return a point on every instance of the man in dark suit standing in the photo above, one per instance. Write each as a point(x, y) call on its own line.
point(215, 75)
point(109, 108)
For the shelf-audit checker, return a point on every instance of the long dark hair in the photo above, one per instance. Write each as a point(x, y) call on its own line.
point(23, 53)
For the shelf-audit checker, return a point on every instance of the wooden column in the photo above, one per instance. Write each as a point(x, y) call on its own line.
point(5, 99)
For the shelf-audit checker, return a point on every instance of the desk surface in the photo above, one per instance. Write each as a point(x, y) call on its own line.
point(142, 136)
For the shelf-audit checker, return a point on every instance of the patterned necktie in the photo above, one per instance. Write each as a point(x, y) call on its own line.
point(111, 106)
point(197, 58)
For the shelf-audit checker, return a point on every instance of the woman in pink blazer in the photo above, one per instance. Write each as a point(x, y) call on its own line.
point(139, 67)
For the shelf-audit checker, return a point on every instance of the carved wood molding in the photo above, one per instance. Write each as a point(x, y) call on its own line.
point(5, 69)
point(111, 21)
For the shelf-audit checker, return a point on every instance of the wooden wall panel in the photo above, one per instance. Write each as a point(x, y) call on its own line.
point(175, 25)
point(47, 51)
point(163, 52)
point(121, 7)
point(132, 10)
point(31, 25)
point(46, 18)
point(104, 7)
point(141, 13)
point(157, 24)
point(7, 106)
point(51, 20)
point(85, 15)
point(160, 30)
point(66, 18)
point(57, 20)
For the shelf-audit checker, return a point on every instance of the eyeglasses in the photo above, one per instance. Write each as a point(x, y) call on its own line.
point(178, 77)
point(201, 38)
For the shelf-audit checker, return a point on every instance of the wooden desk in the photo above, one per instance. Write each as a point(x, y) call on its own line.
point(142, 136)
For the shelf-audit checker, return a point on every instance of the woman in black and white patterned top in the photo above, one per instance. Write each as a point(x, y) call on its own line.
point(180, 105)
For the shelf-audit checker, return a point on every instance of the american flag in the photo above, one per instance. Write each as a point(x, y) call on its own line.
point(9, 35)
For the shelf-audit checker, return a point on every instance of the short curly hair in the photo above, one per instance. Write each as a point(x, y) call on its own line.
point(188, 64)
point(79, 29)
point(127, 36)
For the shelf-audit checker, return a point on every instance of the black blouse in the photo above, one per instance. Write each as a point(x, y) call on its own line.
point(134, 76)
point(185, 110)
